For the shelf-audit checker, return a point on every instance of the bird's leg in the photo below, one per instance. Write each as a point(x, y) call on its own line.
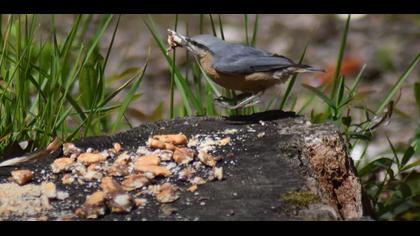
point(223, 99)
point(250, 100)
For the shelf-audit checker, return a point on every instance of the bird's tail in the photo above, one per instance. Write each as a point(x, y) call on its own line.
point(300, 68)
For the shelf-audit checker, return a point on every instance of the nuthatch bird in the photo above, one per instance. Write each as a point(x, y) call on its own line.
point(238, 67)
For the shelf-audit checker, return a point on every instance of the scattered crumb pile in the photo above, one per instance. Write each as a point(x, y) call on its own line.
point(27, 200)
point(119, 179)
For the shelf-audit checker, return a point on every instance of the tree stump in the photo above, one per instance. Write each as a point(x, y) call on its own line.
point(279, 167)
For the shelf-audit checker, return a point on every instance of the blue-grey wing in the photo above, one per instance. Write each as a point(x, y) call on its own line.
point(245, 60)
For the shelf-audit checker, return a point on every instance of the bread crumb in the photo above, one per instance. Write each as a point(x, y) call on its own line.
point(22, 176)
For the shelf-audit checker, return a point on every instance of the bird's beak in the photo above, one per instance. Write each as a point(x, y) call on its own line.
point(310, 69)
point(176, 40)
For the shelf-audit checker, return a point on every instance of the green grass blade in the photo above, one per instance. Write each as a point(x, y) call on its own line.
point(172, 86)
point(407, 155)
point(97, 38)
point(108, 52)
point(353, 88)
point(209, 81)
point(213, 25)
point(320, 95)
point(383, 162)
point(118, 90)
point(398, 84)
point(210, 111)
point(340, 95)
point(75, 105)
point(6, 39)
point(340, 58)
point(409, 166)
point(71, 136)
point(246, 29)
point(182, 85)
point(308, 102)
point(65, 51)
point(129, 97)
point(62, 118)
point(254, 32)
point(221, 27)
point(201, 23)
point(356, 82)
point(292, 80)
point(394, 152)
point(417, 95)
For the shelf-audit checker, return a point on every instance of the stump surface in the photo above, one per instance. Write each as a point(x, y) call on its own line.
point(280, 167)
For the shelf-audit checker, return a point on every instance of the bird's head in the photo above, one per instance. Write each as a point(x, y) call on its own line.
point(198, 45)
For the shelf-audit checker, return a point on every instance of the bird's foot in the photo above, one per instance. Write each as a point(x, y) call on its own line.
point(225, 100)
point(249, 100)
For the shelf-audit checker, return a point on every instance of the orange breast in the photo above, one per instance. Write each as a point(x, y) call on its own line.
point(247, 83)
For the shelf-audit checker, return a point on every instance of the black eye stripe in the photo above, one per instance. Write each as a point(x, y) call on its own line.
point(199, 45)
